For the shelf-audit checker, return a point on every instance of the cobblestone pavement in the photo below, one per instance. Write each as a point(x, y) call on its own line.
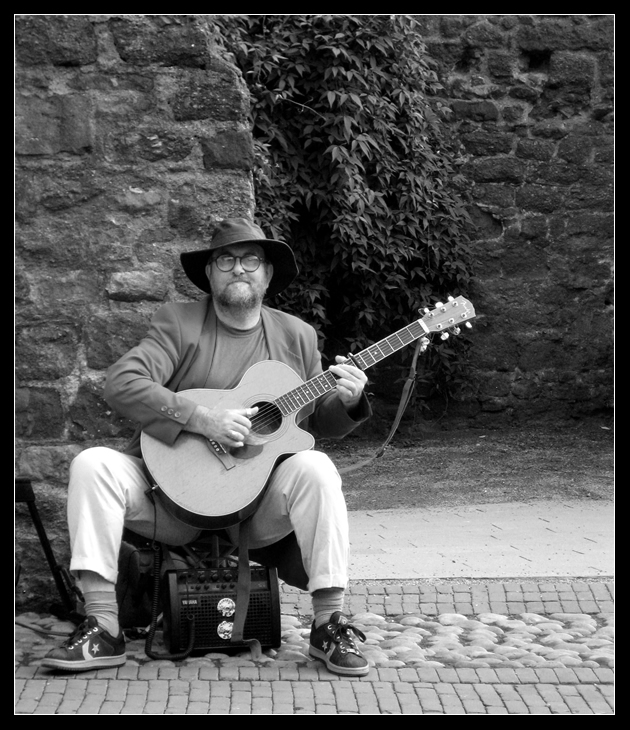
point(436, 647)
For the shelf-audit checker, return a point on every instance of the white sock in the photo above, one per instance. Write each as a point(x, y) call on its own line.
point(100, 601)
point(325, 602)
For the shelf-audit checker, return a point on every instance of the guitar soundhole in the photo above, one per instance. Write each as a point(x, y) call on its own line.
point(268, 419)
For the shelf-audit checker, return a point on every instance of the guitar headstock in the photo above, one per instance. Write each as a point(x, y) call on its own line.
point(448, 317)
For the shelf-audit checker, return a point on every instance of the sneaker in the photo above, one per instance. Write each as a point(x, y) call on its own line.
point(89, 647)
point(333, 643)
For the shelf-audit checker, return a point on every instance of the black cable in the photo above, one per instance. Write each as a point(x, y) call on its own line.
point(157, 566)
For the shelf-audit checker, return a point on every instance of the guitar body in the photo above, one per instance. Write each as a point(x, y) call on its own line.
point(211, 487)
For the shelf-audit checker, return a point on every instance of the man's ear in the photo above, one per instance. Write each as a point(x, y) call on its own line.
point(269, 273)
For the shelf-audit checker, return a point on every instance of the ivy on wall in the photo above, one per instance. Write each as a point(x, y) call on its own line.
point(355, 167)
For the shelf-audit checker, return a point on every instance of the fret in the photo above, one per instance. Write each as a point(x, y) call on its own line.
point(283, 405)
point(331, 381)
point(293, 403)
point(386, 344)
point(395, 342)
point(379, 352)
point(416, 329)
point(369, 358)
point(307, 393)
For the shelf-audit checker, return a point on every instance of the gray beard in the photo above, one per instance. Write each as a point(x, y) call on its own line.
point(240, 303)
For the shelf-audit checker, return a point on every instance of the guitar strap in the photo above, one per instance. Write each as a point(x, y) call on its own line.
point(404, 401)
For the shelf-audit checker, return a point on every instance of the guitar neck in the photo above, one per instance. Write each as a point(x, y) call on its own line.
point(297, 398)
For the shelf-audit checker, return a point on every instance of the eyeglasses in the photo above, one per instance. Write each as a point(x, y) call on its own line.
point(249, 262)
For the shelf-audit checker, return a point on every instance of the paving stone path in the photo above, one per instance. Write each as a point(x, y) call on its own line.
point(426, 659)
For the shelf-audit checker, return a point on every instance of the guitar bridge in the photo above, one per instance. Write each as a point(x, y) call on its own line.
point(222, 454)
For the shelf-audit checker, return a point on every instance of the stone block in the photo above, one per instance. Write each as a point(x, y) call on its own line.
point(539, 199)
point(166, 40)
point(46, 351)
point(38, 413)
point(572, 71)
point(501, 64)
point(91, 418)
point(488, 142)
point(497, 169)
point(566, 32)
point(61, 40)
point(230, 149)
point(200, 94)
point(154, 144)
point(535, 149)
point(480, 111)
point(485, 35)
point(53, 124)
point(137, 286)
point(109, 335)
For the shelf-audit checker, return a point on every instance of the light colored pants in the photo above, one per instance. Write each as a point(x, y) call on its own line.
point(107, 491)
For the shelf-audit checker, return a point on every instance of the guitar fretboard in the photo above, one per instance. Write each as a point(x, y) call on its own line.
point(297, 398)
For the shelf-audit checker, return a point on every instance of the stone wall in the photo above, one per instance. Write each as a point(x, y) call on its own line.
point(132, 139)
point(532, 103)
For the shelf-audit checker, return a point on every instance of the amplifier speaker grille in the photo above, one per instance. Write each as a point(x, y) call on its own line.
point(209, 596)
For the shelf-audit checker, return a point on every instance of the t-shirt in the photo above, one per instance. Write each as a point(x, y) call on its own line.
point(234, 353)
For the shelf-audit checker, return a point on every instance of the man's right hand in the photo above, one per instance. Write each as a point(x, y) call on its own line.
point(227, 426)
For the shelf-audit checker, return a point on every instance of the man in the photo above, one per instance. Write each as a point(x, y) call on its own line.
point(300, 524)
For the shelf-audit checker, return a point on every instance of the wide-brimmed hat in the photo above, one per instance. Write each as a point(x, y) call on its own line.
point(240, 230)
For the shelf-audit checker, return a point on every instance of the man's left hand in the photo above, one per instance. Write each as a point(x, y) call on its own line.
point(350, 381)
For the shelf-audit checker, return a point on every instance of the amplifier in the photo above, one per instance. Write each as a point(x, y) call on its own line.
point(209, 594)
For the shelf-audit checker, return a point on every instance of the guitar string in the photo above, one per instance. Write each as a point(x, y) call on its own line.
point(269, 411)
point(268, 414)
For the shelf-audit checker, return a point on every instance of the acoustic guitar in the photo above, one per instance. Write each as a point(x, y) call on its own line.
point(211, 486)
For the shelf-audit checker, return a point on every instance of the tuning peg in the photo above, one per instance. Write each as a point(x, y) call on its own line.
point(468, 325)
point(451, 299)
point(444, 336)
point(438, 305)
point(456, 330)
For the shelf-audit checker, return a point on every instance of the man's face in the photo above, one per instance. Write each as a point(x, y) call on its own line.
point(239, 289)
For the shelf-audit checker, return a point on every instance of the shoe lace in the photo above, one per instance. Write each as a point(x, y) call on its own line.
point(343, 635)
point(79, 634)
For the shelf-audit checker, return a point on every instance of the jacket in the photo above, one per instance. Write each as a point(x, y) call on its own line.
point(176, 354)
